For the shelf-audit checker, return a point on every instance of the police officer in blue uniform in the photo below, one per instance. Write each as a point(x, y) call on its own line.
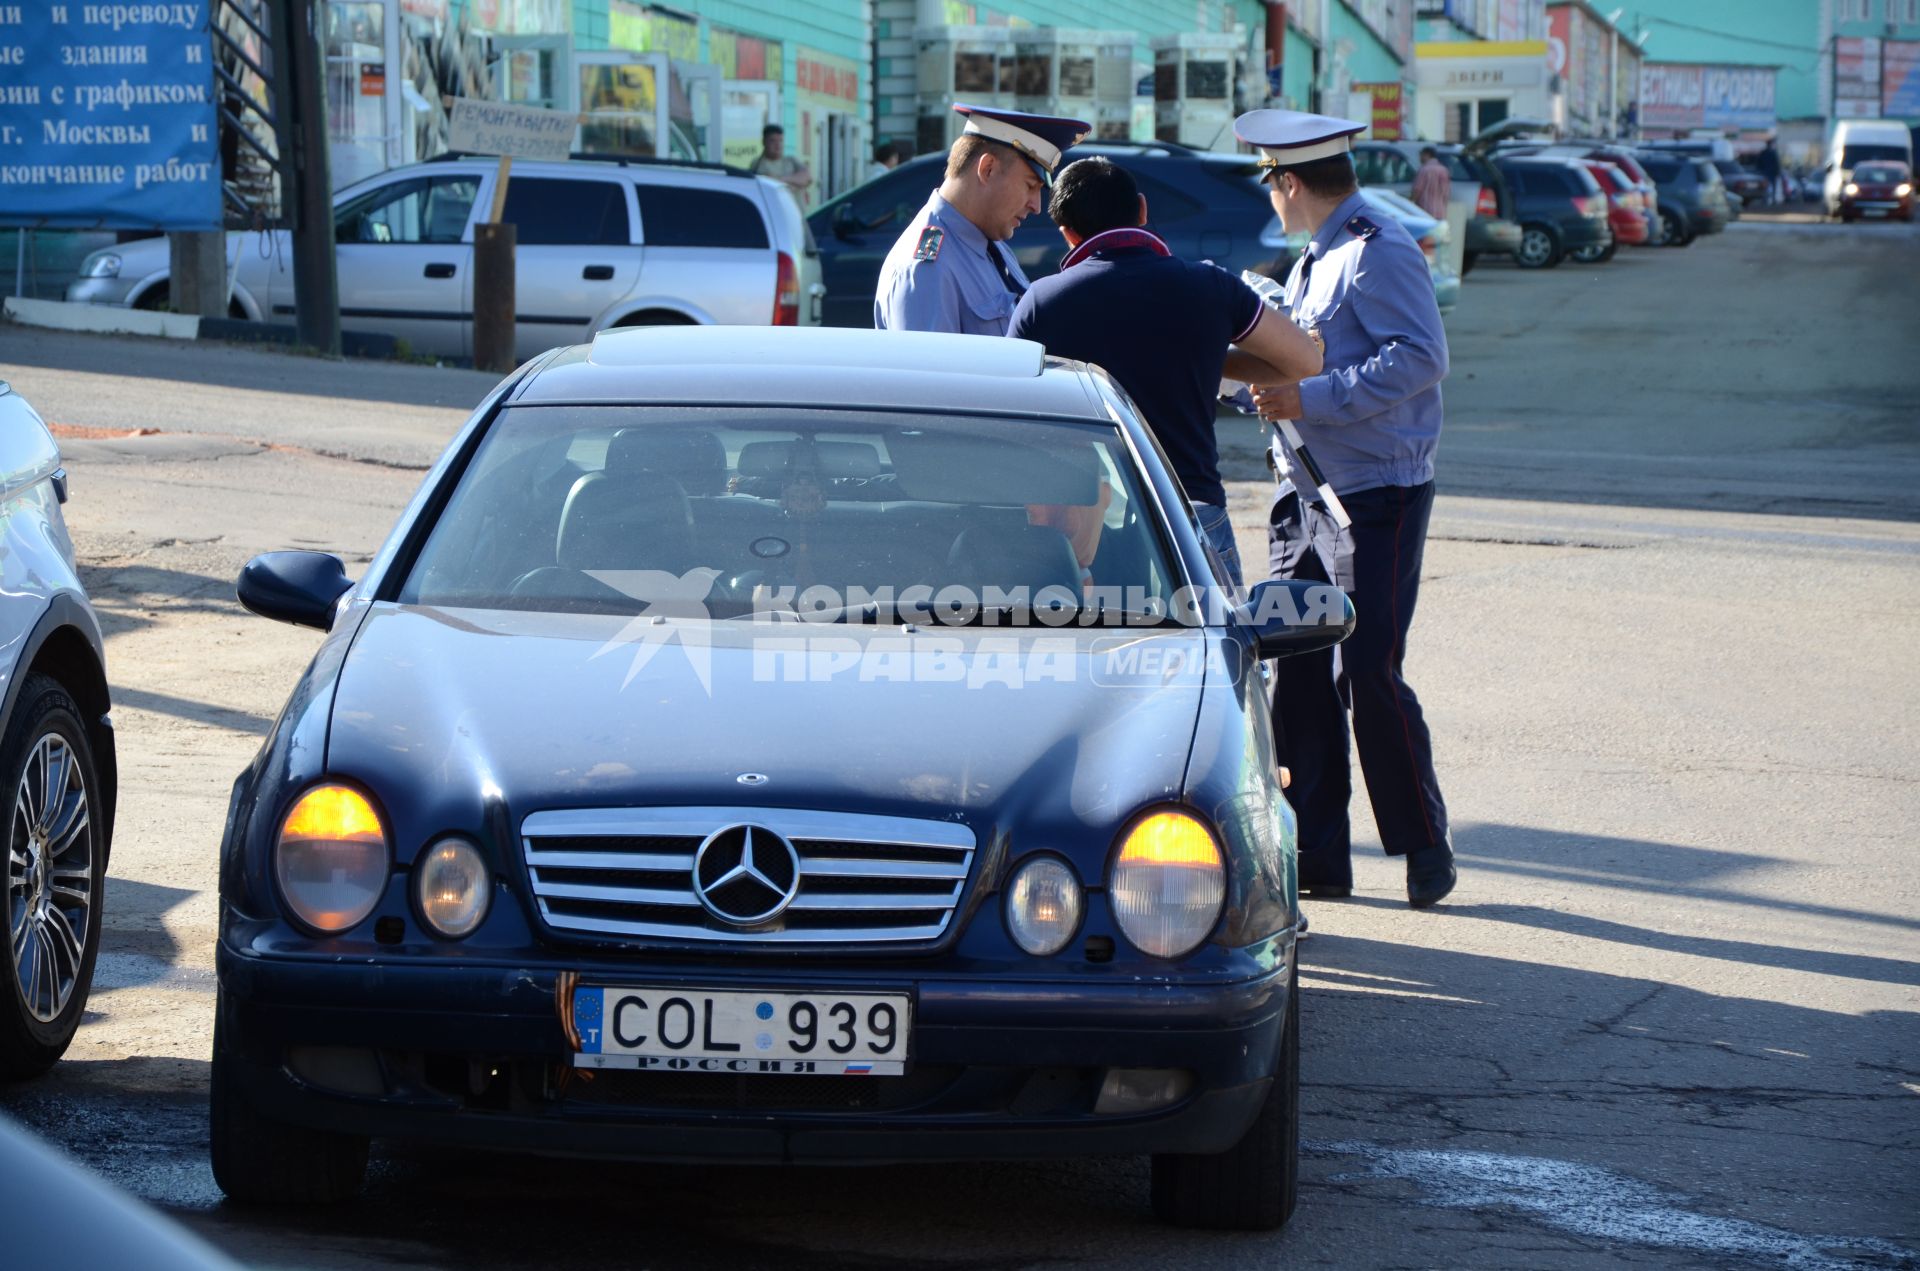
point(950, 270)
point(1372, 420)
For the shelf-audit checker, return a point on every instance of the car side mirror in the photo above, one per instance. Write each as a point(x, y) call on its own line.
point(845, 223)
point(1289, 616)
point(297, 587)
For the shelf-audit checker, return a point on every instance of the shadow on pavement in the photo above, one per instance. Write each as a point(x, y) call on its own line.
point(247, 368)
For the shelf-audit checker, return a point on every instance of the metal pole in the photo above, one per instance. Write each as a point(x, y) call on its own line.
point(316, 294)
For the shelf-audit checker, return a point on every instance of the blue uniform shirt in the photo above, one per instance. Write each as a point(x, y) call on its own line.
point(1372, 416)
point(939, 277)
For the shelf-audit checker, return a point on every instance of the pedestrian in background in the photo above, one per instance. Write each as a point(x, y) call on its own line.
point(949, 270)
point(1768, 166)
point(886, 157)
point(1432, 184)
point(1372, 419)
point(1164, 328)
point(775, 162)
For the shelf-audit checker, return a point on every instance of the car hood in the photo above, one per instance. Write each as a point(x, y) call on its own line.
point(438, 709)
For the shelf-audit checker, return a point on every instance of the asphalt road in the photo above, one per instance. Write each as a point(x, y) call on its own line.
point(1666, 648)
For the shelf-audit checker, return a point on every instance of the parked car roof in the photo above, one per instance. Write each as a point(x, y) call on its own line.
point(902, 370)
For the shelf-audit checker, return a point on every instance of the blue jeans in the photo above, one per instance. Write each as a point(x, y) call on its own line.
point(1217, 526)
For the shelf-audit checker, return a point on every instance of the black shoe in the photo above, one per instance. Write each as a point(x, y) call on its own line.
point(1430, 875)
point(1327, 891)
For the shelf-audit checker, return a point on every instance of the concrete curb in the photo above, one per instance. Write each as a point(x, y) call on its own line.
point(65, 315)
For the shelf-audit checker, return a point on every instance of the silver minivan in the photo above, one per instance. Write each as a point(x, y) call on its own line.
point(601, 243)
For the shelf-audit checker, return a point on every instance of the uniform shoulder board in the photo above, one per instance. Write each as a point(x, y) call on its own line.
point(930, 242)
point(1362, 227)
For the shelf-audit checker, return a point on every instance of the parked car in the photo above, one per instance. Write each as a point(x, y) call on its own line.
point(798, 893)
point(1749, 185)
point(1692, 200)
point(1626, 213)
point(608, 243)
point(56, 754)
point(1206, 206)
point(1619, 157)
point(1432, 235)
point(1879, 188)
point(1559, 205)
point(1491, 231)
point(100, 1225)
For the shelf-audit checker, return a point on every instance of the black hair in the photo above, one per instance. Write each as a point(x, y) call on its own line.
point(1092, 196)
point(1325, 178)
point(1428, 152)
point(770, 129)
point(885, 151)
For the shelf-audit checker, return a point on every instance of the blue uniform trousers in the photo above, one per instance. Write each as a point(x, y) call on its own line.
point(1311, 693)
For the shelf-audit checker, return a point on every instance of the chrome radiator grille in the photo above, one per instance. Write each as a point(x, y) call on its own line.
point(746, 875)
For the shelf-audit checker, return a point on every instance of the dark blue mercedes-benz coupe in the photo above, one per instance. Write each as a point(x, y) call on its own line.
point(775, 746)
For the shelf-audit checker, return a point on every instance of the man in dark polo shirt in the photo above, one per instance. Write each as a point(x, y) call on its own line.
point(1162, 327)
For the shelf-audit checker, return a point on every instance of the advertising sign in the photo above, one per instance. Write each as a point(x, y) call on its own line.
point(1900, 85)
point(524, 132)
point(1388, 106)
point(107, 116)
point(1856, 76)
point(1683, 96)
point(1670, 96)
point(1737, 97)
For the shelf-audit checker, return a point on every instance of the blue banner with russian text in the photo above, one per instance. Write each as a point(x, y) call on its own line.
point(107, 116)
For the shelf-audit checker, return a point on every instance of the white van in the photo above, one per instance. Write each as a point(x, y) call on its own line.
point(1857, 141)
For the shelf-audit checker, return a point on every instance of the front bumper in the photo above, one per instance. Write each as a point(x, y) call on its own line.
point(476, 1055)
point(101, 291)
point(1493, 236)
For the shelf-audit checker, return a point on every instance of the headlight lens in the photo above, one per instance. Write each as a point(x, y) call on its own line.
point(1044, 904)
point(452, 886)
point(101, 265)
point(1852, 188)
point(331, 858)
point(1902, 190)
point(1168, 884)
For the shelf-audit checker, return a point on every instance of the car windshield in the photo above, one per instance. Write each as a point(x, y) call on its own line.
point(1854, 155)
point(835, 514)
point(1878, 173)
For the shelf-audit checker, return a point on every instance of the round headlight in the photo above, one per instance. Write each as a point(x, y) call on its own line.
point(101, 265)
point(452, 886)
point(1852, 188)
point(1168, 884)
point(331, 858)
point(1044, 902)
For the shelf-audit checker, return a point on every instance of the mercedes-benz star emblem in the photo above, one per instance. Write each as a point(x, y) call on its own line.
point(746, 874)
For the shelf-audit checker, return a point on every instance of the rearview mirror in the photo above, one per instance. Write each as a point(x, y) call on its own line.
point(297, 587)
point(1289, 616)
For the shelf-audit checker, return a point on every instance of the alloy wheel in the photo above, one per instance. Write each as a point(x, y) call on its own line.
point(1536, 247)
point(49, 877)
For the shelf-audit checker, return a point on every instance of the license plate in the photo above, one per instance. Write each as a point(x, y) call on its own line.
point(723, 1031)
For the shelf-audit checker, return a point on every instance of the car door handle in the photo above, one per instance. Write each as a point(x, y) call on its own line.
point(597, 273)
point(439, 271)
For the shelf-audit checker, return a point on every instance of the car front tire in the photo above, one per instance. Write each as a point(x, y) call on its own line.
point(56, 878)
point(1597, 255)
point(1539, 248)
point(260, 1161)
point(1678, 232)
point(1253, 1185)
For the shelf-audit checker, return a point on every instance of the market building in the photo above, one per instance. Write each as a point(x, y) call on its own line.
point(700, 79)
point(1478, 62)
point(1836, 59)
point(1598, 68)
